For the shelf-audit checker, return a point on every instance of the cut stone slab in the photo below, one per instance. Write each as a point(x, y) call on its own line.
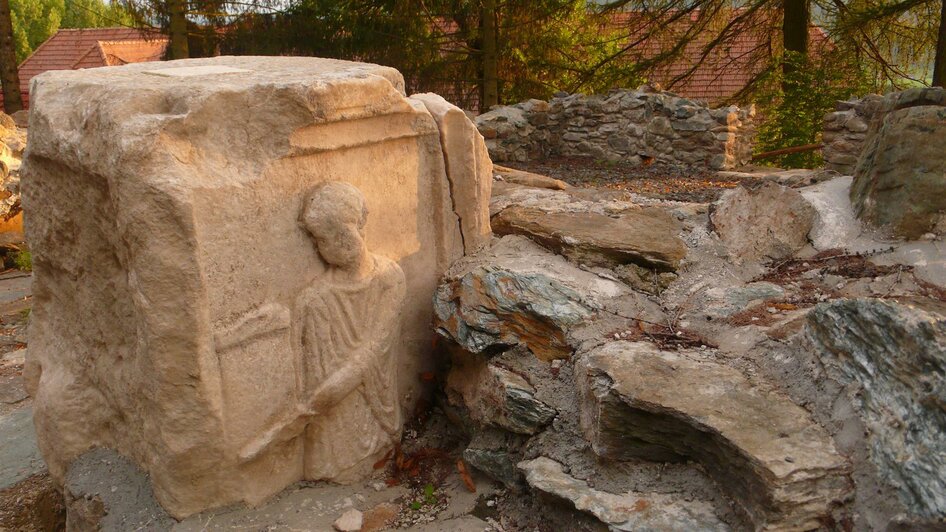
point(766, 452)
point(769, 222)
point(646, 236)
point(180, 348)
point(892, 360)
point(516, 292)
point(629, 511)
point(900, 178)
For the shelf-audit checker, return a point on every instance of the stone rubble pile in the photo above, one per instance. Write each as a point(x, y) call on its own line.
point(631, 126)
point(845, 130)
point(746, 359)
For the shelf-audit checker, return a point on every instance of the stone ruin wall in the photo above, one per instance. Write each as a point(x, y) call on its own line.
point(633, 126)
point(845, 130)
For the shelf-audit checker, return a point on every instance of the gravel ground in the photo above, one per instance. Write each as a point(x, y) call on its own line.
point(657, 180)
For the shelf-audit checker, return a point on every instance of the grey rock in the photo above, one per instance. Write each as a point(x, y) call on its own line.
point(630, 511)
point(892, 358)
point(767, 453)
point(518, 293)
point(495, 395)
point(900, 179)
point(19, 453)
point(769, 222)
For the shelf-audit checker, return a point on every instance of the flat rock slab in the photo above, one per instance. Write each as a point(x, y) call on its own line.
point(646, 236)
point(764, 450)
point(519, 293)
point(19, 454)
point(631, 511)
point(893, 359)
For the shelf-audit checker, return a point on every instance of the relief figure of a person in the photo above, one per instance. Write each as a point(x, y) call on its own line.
point(343, 328)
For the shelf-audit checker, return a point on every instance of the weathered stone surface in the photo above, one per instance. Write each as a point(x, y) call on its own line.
point(629, 511)
point(646, 236)
point(519, 293)
point(469, 170)
point(105, 491)
point(19, 454)
point(770, 222)
point(528, 179)
point(495, 395)
point(892, 359)
point(900, 179)
point(844, 132)
point(769, 455)
point(572, 200)
point(231, 307)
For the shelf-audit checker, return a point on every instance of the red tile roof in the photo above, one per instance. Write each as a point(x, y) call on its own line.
point(725, 70)
point(89, 48)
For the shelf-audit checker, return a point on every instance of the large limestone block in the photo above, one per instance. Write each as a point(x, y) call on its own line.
point(234, 263)
point(780, 467)
point(900, 178)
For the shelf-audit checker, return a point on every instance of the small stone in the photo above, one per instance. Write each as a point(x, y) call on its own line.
point(350, 521)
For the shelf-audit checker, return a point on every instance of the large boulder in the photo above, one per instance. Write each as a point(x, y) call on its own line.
point(630, 511)
point(770, 222)
point(185, 310)
point(891, 359)
point(779, 466)
point(900, 178)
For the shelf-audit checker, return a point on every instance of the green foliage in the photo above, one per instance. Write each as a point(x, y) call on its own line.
point(34, 21)
point(793, 104)
point(23, 261)
point(543, 46)
point(429, 496)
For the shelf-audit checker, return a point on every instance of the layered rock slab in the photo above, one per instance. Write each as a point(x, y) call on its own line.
point(516, 292)
point(643, 236)
point(629, 511)
point(169, 257)
point(765, 451)
point(891, 359)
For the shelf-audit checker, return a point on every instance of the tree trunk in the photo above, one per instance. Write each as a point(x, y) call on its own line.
point(939, 64)
point(9, 76)
point(489, 87)
point(795, 20)
point(177, 29)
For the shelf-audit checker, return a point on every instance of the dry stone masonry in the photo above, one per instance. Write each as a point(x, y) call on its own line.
point(635, 126)
point(845, 130)
point(234, 263)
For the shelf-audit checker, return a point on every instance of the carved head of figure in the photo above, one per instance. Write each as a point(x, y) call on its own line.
point(335, 214)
